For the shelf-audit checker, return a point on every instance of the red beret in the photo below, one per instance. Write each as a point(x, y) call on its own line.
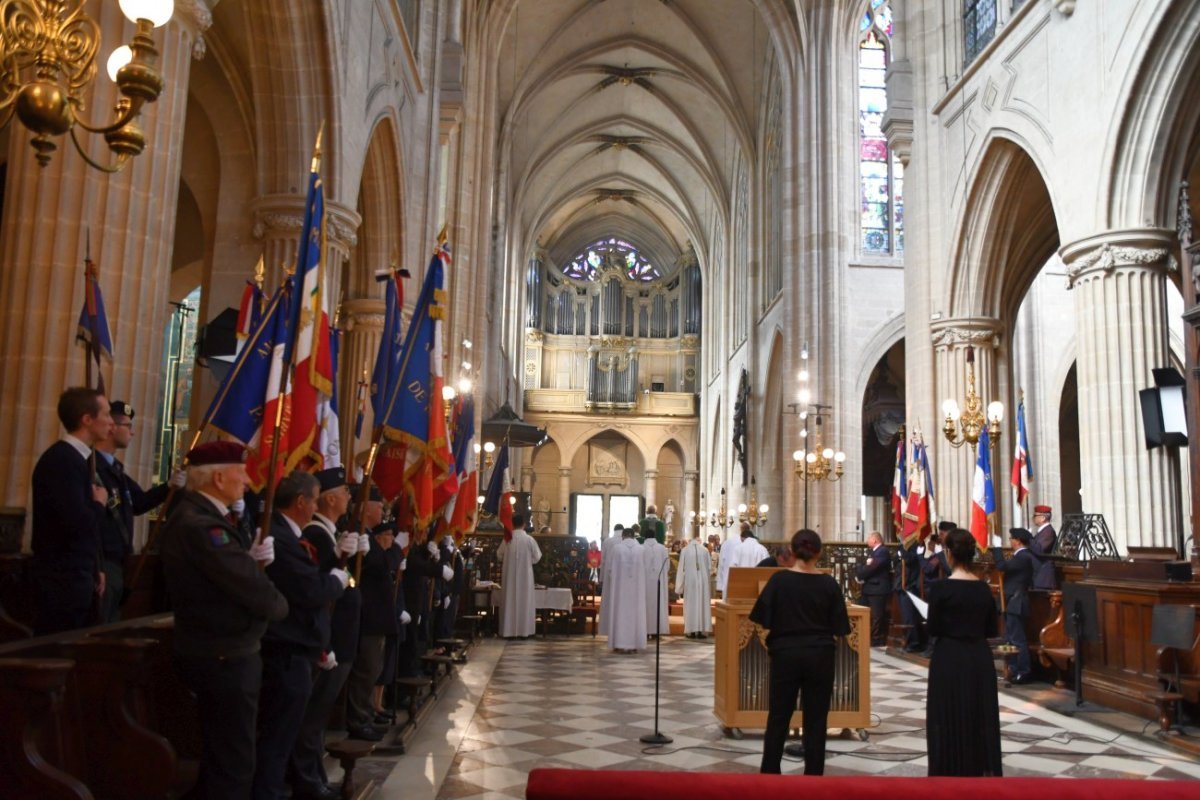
point(216, 453)
point(1041, 510)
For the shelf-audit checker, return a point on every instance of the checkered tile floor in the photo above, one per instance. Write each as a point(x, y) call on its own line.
point(569, 702)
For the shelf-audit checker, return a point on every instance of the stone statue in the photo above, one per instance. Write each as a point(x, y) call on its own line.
point(543, 512)
point(668, 515)
point(740, 411)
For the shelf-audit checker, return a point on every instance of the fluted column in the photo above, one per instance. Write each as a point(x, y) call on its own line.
point(48, 215)
point(954, 468)
point(564, 489)
point(683, 519)
point(362, 326)
point(1119, 280)
point(651, 490)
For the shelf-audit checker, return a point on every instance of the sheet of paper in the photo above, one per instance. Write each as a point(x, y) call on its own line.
point(921, 606)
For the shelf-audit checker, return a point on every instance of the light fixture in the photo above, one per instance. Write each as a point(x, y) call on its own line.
point(963, 426)
point(721, 518)
point(464, 386)
point(49, 50)
point(814, 462)
point(753, 513)
point(489, 454)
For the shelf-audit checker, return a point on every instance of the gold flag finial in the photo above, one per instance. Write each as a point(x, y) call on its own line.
point(260, 273)
point(442, 236)
point(316, 158)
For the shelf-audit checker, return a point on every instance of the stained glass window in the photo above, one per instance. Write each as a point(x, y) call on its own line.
point(608, 254)
point(979, 26)
point(881, 200)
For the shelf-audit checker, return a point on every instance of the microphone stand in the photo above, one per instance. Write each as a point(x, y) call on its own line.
point(657, 737)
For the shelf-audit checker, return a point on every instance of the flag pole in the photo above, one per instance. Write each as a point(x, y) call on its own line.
point(285, 374)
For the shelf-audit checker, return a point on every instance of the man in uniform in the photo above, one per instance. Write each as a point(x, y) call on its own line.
point(125, 501)
point(1017, 577)
point(308, 770)
point(68, 507)
point(876, 579)
point(293, 645)
point(1042, 545)
point(222, 602)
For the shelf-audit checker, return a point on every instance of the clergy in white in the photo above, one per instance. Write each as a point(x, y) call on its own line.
point(751, 550)
point(655, 557)
point(627, 604)
point(518, 617)
point(691, 583)
point(606, 552)
point(728, 557)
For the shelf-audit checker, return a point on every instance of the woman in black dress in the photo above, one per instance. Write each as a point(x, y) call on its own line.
point(962, 714)
point(802, 610)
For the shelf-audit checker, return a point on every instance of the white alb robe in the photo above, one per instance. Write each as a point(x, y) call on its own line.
point(627, 604)
point(750, 552)
point(691, 581)
point(654, 557)
point(518, 616)
point(728, 556)
point(606, 552)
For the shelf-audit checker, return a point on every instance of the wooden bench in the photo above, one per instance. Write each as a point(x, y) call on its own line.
point(1055, 650)
point(435, 663)
point(411, 688)
point(455, 648)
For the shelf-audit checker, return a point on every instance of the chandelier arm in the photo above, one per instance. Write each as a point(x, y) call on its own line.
point(120, 164)
point(129, 114)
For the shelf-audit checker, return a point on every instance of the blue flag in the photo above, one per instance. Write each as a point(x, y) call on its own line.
point(93, 328)
point(391, 350)
point(495, 490)
point(237, 409)
point(464, 432)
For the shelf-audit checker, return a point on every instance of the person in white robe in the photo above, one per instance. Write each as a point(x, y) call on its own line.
point(691, 583)
point(518, 616)
point(728, 556)
point(655, 557)
point(750, 551)
point(606, 551)
point(627, 605)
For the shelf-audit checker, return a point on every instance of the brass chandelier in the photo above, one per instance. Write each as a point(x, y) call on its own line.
point(971, 417)
point(48, 49)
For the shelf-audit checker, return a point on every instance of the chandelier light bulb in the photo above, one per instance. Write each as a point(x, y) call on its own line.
point(805, 396)
point(741, 508)
point(466, 365)
point(797, 455)
point(489, 447)
point(119, 58)
point(950, 409)
point(803, 374)
point(464, 386)
point(839, 456)
point(803, 415)
point(996, 411)
point(512, 500)
point(448, 393)
point(804, 353)
point(477, 448)
point(480, 500)
point(827, 453)
point(157, 12)
point(811, 458)
point(763, 509)
point(466, 344)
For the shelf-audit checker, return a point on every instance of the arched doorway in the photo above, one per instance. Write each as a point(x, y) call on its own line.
point(882, 418)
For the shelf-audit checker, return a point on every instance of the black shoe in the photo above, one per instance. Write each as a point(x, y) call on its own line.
point(1020, 680)
point(913, 648)
point(383, 719)
point(365, 735)
point(927, 653)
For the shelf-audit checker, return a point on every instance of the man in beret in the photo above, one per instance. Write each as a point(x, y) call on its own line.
point(292, 646)
point(1044, 539)
point(222, 602)
point(126, 499)
point(67, 511)
point(376, 624)
point(1017, 573)
point(308, 770)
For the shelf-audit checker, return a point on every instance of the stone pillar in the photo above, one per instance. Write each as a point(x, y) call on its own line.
point(683, 519)
point(1119, 280)
point(527, 478)
point(954, 467)
point(48, 215)
point(564, 492)
point(362, 326)
point(278, 219)
point(651, 490)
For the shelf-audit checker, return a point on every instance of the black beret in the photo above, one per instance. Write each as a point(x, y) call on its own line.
point(1021, 535)
point(119, 408)
point(330, 479)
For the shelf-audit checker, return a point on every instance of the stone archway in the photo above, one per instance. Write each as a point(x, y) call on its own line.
point(882, 418)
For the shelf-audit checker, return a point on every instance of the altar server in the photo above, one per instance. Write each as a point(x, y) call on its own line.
point(518, 616)
point(691, 583)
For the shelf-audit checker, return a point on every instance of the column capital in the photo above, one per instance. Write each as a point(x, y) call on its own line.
point(342, 223)
point(651, 473)
point(278, 215)
point(1139, 248)
point(565, 472)
point(196, 17)
point(963, 331)
point(363, 312)
point(691, 474)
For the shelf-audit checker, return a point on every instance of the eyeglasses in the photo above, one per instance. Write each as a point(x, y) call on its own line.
point(123, 424)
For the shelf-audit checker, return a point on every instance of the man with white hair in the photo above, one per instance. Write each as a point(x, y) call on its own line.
point(655, 558)
point(691, 583)
point(222, 602)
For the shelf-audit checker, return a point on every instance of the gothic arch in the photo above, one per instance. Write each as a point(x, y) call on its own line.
point(381, 237)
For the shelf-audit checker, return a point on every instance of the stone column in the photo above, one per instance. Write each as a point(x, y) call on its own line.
point(683, 519)
point(49, 213)
point(651, 490)
point(362, 326)
point(564, 491)
point(954, 467)
point(1119, 280)
point(527, 478)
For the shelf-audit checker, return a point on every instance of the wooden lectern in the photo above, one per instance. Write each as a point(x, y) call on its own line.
point(743, 667)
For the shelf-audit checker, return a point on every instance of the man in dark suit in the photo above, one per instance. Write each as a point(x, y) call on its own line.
point(1042, 546)
point(126, 499)
point(908, 580)
point(1017, 573)
point(308, 776)
point(876, 579)
point(293, 645)
point(68, 508)
point(222, 602)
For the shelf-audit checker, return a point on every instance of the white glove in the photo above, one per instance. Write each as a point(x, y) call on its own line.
point(178, 479)
point(405, 618)
point(327, 661)
point(348, 544)
point(341, 575)
point(238, 507)
point(920, 549)
point(447, 573)
point(433, 551)
point(264, 551)
point(937, 549)
point(402, 539)
point(403, 564)
point(364, 543)
point(446, 602)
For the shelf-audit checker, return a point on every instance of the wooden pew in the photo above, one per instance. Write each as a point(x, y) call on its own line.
point(1056, 650)
point(32, 692)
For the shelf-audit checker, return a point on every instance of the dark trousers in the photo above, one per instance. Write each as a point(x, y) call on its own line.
point(308, 768)
point(445, 623)
point(114, 587)
point(807, 671)
point(227, 696)
point(287, 684)
point(880, 618)
point(360, 686)
point(1014, 632)
point(63, 599)
point(911, 618)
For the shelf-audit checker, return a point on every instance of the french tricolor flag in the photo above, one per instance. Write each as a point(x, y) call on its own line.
point(983, 496)
point(1022, 468)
